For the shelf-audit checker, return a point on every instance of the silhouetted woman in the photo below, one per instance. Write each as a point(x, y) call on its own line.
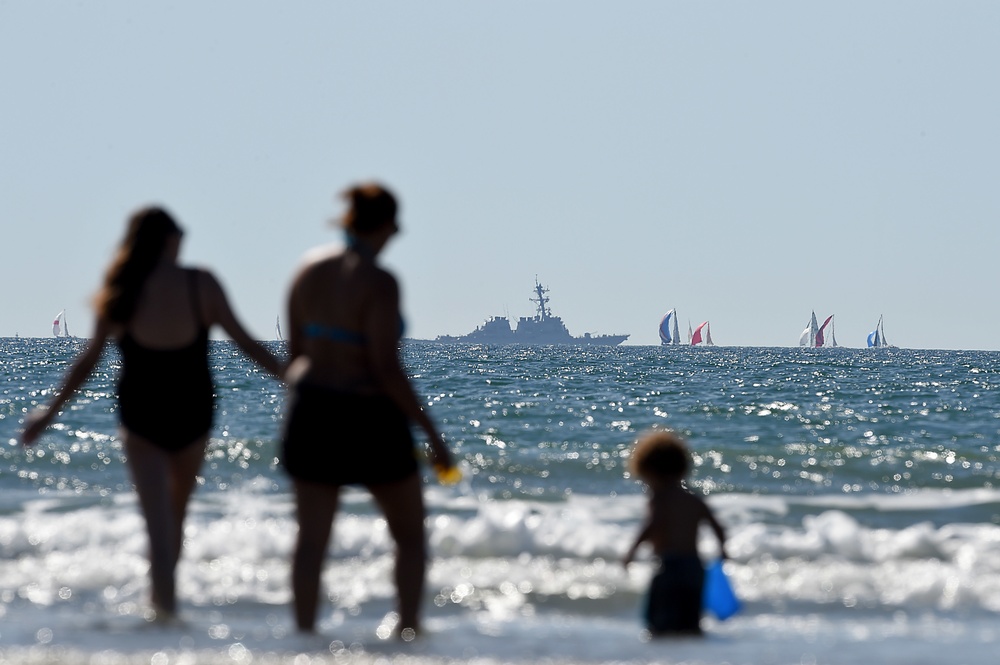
point(159, 313)
point(352, 405)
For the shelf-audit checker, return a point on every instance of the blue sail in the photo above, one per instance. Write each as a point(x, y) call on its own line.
point(876, 338)
point(666, 336)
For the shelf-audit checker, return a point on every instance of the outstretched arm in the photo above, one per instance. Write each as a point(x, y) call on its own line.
point(84, 364)
point(639, 540)
point(220, 312)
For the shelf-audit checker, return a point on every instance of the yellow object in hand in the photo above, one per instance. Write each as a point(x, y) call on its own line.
point(447, 475)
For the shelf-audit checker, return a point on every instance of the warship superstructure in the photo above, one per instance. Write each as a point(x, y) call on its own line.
point(542, 328)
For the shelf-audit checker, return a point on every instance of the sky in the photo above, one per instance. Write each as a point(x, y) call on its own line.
point(744, 163)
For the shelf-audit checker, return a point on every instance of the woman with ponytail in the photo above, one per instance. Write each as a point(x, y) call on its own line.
point(159, 314)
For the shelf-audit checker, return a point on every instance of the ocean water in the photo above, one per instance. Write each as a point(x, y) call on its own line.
point(859, 489)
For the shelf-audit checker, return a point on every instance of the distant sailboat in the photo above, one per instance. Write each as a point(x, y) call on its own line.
point(815, 335)
point(820, 337)
point(808, 336)
point(59, 327)
point(876, 338)
point(669, 332)
point(696, 337)
point(277, 329)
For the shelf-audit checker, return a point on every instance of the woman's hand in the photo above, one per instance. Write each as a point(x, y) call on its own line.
point(35, 424)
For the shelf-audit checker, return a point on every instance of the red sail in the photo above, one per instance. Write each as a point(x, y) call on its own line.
point(696, 337)
point(819, 333)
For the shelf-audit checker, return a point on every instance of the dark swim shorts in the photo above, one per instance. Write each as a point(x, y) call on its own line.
point(340, 438)
point(674, 601)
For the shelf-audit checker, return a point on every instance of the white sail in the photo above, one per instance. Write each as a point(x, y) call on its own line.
point(708, 334)
point(57, 330)
point(808, 336)
point(277, 329)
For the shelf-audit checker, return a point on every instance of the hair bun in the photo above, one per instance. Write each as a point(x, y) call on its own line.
point(370, 208)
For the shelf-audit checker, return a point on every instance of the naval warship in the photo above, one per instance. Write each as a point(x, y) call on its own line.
point(542, 328)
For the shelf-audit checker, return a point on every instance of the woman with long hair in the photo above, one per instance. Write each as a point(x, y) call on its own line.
point(351, 406)
point(159, 314)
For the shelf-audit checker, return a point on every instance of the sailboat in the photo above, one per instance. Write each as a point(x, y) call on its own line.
point(669, 332)
point(277, 329)
point(821, 338)
point(808, 336)
point(696, 337)
point(876, 338)
point(59, 327)
point(815, 335)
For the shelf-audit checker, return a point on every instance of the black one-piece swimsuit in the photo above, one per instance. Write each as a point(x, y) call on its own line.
point(166, 395)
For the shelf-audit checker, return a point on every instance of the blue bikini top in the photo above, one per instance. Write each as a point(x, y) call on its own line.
point(333, 334)
point(338, 334)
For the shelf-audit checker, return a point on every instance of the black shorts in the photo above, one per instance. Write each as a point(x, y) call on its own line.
point(340, 438)
point(675, 595)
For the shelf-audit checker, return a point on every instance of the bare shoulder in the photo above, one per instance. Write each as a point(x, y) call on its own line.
point(206, 280)
point(316, 261)
point(691, 497)
point(319, 256)
point(384, 282)
point(682, 497)
point(699, 505)
point(203, 275)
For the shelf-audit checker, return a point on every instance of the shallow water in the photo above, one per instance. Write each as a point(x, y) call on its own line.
point(858, 487)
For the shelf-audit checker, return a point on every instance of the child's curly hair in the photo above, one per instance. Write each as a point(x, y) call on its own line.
point(660, 454)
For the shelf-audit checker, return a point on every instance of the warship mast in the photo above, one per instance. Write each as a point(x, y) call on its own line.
point(541, 300)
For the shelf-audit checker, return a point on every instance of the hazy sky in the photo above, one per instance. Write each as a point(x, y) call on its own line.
point(743, 162)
